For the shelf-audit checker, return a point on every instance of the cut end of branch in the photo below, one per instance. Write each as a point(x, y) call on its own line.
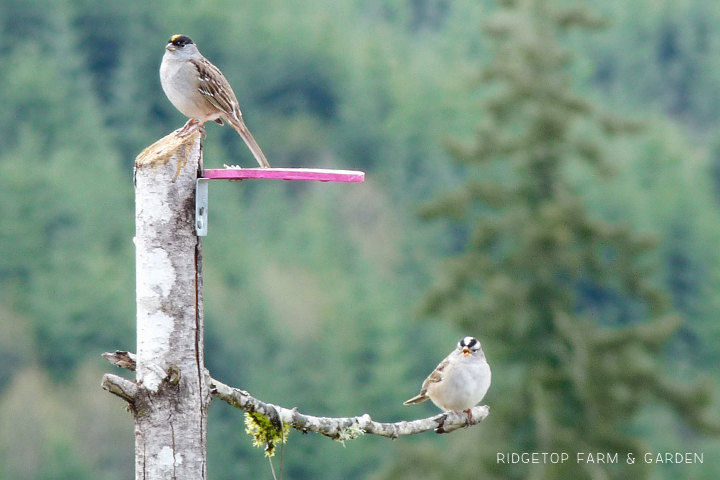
point(160, 152)
point(121, 387)
point(173, 375)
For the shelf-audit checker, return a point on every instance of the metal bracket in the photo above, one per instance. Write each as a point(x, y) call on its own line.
point(201, 206)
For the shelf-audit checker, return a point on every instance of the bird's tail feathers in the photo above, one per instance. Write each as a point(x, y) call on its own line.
point(239, 126)
point(416, 399)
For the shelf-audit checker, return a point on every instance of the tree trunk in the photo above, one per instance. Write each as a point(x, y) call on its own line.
point(172, 400)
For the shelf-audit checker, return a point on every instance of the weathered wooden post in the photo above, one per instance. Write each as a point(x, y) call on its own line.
point(169, 398)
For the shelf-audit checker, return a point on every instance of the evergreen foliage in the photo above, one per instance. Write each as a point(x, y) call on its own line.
point(564, 299)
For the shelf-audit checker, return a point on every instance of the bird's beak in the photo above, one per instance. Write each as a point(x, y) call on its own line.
point(466, 351)
point(170, 47)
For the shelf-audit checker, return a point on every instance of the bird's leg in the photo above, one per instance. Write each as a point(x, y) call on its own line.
point(190, 127)
point(470, 417)
point(185, 130)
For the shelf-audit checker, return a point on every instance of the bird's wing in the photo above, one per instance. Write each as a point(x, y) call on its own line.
point(437, 374)
point(216, 89)
point(434, 377)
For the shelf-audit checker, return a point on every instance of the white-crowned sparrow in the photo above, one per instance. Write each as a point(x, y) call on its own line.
point(200, 91)
point(460, 381)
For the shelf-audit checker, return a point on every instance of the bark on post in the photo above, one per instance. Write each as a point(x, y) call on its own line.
point(170, 399)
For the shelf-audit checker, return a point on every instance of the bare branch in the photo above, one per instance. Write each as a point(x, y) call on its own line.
point(122, 387)
point(344, 428)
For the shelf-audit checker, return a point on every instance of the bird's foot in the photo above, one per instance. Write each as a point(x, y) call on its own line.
point(470, 417)
point(191, 126)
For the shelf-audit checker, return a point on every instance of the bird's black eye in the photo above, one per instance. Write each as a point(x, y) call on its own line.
point(180, 40)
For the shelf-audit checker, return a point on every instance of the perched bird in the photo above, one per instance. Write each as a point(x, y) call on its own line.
point(460, 381)
point(199, 90)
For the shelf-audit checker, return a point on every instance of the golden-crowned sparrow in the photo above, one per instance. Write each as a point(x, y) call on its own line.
point(200, 91)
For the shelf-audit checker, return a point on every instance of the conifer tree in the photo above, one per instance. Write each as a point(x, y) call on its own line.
point(564, 300)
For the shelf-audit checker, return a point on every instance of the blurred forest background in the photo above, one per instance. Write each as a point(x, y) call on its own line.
point(545, 179)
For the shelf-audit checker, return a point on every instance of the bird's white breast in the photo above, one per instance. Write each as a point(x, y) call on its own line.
point(463, 386)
